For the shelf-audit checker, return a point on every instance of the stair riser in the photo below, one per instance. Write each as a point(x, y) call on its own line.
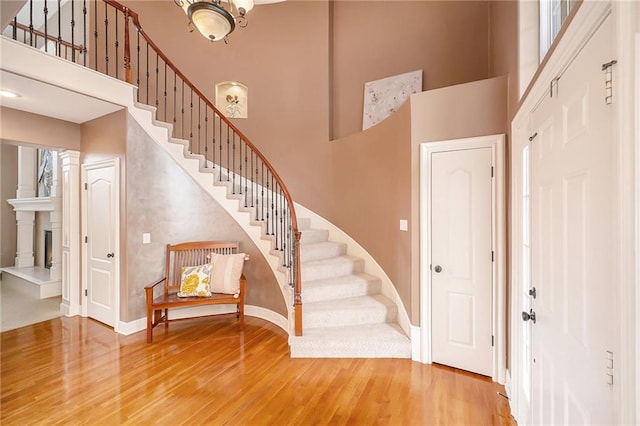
point(350, 317)
point(341, 291)
point(311, 236)
point(322, 272)
point(355, 350)
point(309, 253)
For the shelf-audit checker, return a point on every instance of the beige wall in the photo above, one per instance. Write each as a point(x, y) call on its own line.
point(25, 127)
point(9, 9)
point(447, 40)
point(371, 193)
point(8, 187)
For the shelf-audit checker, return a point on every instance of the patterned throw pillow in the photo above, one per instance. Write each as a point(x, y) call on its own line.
point(195, 281)
point(227, 269)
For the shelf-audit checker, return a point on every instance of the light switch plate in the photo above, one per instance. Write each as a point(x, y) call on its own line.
point(404, 225)
point(146, 238)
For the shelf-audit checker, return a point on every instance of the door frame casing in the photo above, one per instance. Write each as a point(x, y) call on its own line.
point(498, 242)
point(115, 163)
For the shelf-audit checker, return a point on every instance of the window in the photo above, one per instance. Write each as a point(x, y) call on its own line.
point(552, 15)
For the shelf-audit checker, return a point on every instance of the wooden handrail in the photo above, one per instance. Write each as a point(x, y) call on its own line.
point(48, 37)
point(129, 14)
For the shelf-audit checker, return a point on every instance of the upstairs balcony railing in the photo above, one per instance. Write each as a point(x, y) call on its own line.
point(106, 36)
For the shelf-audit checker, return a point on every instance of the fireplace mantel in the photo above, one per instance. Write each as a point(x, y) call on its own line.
point(36, 204)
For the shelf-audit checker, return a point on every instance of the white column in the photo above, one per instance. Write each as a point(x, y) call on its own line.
point(55, 273)
point(70, 305)
point(27, 171)
point(24, 244)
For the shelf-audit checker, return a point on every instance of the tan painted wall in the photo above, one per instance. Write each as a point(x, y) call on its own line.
point(24, 127)
point(371, 193)
point(466, 110)
point(8, 187)
point(373, 40)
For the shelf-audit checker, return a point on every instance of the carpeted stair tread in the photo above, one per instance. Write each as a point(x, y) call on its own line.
point(321, 250)
point(341, 287)
point(385, 340)
point(350, 311)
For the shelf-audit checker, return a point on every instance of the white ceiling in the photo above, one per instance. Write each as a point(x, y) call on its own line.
point(52, 101)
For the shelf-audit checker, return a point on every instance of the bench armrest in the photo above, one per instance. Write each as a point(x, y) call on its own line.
point(149, 289)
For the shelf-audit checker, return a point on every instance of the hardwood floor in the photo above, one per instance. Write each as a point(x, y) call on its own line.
point(78, 371)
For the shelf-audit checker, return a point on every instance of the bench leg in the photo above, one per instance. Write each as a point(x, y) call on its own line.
point(149, 324)
point(241, 315)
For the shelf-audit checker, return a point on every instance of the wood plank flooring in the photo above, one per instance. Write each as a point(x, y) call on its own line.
point(78, 371)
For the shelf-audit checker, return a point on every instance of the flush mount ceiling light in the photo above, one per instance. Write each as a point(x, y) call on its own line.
point(212, 19)
point(8, 94)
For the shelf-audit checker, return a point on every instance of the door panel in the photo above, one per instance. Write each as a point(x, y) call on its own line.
point(572, 245)
point(101, 210)
point(461, 229)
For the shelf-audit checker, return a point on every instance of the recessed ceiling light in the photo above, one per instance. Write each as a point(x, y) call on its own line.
point(8, 94)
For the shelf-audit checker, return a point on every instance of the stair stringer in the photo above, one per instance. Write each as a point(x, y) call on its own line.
point(193, 164)
point(370, 265)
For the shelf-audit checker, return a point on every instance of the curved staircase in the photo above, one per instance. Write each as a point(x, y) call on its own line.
point(345, 314)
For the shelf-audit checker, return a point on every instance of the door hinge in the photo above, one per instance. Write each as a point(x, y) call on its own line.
point(492, 256)
point(491, 171)
point(492, 341)
point(86, 239)
point(85, 186)
point(86, 292)
point(608, 81)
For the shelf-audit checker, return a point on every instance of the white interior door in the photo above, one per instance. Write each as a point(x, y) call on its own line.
point(101, 231)
point(461, 259)
point(573, 238)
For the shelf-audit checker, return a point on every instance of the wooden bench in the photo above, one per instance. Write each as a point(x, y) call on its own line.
point(162, 295)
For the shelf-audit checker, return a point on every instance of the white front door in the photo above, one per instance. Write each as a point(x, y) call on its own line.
point(573, 254)
point(101, 240)
point(461, 258)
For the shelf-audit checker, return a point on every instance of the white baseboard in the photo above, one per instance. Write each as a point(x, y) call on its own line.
point(69, 310)
point(128, 328)
point(140, 324)
point(416, 349)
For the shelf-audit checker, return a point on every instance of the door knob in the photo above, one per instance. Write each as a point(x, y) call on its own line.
point(529, 316)
point(438, 268)
point(110, 255)
point(532, 292)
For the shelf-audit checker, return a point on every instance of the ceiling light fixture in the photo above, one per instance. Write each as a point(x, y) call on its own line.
point(212, 19)
point(8, 94)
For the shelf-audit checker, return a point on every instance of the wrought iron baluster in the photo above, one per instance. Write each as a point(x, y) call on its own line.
point(116, 42)
point(73, 26)
point(106, 39)
point(199, 127)
point(138, 66)
point(30, 22)
point(233, 161)
point(191, 123)
point(165, 92)
point(228, 154)
point(206, 136)
point(84, 32)
point(15, 28)
point(182, 110)
point(59, 45)
point(95, 34)
point(175, 102)
point(46, 26)
point(147, 75)
point(157, 78)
